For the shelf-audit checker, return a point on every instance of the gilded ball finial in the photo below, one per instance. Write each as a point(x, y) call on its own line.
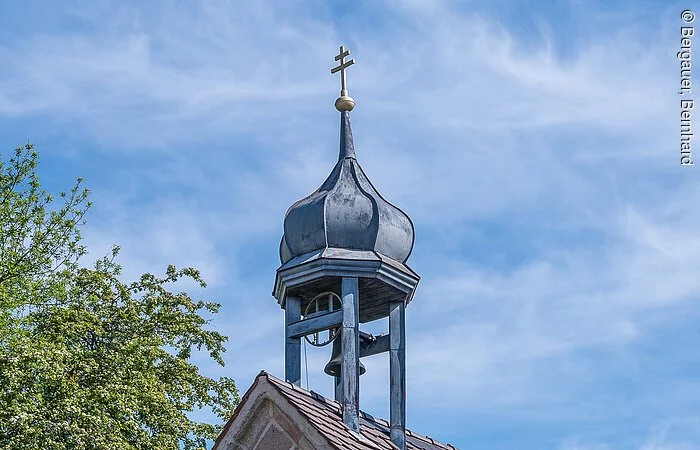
point(344, 102)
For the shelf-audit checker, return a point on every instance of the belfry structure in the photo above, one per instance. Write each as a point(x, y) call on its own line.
point(343, 263)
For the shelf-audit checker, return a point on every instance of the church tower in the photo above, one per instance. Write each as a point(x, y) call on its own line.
point(343, 255)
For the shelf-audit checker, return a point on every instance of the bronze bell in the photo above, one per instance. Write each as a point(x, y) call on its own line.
point(333, 366)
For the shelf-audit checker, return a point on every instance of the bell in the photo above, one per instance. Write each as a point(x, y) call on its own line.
point(333, 366)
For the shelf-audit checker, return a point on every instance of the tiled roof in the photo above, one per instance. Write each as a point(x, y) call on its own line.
point(326, 417)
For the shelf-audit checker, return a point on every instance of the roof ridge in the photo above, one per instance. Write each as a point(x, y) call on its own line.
point(335, 407)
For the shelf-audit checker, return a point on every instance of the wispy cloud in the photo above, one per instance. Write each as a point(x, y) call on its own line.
point(551, 236)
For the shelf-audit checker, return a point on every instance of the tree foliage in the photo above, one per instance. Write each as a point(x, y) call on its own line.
point(39, 246)
point(86, 360)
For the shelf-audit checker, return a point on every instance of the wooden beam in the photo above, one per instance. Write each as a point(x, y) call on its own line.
point(313, 324)
point(397, 374)
point(350, 366)
point(379, 345)
point(292, 346)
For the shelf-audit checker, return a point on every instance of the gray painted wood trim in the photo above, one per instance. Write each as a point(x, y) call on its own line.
point(292, 346)
point(350, 366)
point(313, 324)
point(338, 389)
point(397, 374)
point(380, 345)
point(399, 276)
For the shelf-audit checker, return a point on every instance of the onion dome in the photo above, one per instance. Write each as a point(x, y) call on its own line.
point(346, 212)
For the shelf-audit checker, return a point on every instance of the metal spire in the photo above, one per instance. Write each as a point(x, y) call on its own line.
point(346, 230)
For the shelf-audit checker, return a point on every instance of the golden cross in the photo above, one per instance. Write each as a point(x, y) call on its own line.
point(341, 68)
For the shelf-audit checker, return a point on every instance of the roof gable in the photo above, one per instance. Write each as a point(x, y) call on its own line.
point(267, 420)
point(321, 418)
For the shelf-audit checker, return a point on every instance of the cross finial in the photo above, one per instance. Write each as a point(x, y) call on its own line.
point(341, 68)
point(344, 103)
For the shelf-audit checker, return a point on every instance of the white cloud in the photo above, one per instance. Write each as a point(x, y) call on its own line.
point(457, 122)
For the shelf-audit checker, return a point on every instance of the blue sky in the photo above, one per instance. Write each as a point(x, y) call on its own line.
point(534, 145)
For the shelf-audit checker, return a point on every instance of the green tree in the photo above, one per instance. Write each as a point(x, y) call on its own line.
point(86, 360)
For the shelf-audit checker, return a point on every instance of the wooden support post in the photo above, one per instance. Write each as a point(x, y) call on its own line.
point(350, 366)
point(397, 374)
point(338, 389)
point(292, 346)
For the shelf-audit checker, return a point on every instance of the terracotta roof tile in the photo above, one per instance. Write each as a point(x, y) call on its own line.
point(325, 415)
